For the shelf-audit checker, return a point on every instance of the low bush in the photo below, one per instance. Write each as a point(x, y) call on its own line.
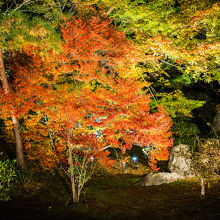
point(9, 174)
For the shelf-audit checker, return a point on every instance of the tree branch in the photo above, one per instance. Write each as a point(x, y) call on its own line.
point(25, 2)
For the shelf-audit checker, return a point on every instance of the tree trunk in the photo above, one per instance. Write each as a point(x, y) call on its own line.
point(72, 177)
point(18, 139)
point(202, 186)
point(216, 124)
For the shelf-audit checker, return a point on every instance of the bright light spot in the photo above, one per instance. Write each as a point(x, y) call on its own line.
point(134, 158)
point(92, 158)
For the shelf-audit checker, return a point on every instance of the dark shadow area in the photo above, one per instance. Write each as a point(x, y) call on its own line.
point(112, 197)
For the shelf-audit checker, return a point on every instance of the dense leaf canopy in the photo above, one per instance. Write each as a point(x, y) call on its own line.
point(113, 65)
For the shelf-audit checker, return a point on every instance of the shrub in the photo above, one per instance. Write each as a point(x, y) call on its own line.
point(207, 160)
point(80, 170)
point(8, 176)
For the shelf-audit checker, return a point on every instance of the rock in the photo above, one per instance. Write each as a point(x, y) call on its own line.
point(159, 178)
point(181, 161)
point(180, 166)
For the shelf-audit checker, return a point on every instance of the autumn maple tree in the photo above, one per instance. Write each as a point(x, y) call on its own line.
point(103, 58)
point(86, 98)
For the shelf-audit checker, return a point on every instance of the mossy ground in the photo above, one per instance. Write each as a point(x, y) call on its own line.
point(111, 197)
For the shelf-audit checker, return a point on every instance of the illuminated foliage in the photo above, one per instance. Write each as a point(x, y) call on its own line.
point(66, 99)
point(181, 43)
point(179, 40)
point(97, 94)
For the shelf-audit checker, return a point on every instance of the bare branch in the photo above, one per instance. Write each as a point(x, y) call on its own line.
point(25, 2)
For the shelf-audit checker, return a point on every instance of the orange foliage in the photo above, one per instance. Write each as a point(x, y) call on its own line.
point(94, 54)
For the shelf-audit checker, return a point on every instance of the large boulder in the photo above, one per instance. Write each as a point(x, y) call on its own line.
point(159, 178)
point(181, 161)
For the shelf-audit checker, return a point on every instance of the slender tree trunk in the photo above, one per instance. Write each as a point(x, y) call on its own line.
point(18, 139)
point(202, 186)
point(72, 177)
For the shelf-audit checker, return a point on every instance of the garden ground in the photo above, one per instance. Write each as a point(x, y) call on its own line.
point(111, 197)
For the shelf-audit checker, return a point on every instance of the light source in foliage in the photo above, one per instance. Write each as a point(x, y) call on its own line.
point(134, 158)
